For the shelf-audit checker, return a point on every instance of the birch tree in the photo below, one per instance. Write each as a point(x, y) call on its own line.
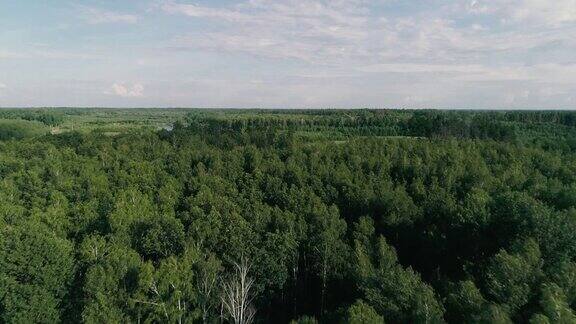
point(237, 295)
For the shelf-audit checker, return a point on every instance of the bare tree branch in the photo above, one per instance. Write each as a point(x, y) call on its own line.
point(237, 296)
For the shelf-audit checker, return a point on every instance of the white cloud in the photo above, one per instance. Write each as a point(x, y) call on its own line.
point(204, 12)
point(99, 16)
point(306, 30)
point(560, 74)
point(464, 53)
point(545, 12)
point(3, 85)
point(349, 32)
point(123, 90)
point(421, 68)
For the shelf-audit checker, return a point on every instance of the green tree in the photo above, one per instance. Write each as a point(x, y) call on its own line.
point(159, 237)
point(464, 303)
point(168, 293)
point(510, 278)
point(327, 247)
point(110, 282)
point(397, 293)
point(36, 268)
point(554, 306)
point(492, 313)
point(362, 313)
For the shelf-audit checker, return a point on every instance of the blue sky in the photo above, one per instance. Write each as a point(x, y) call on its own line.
point(289, 53)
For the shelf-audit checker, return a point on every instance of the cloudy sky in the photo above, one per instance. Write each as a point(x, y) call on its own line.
point(289, 53)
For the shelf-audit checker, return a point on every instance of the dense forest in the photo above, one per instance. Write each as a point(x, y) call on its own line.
point(319, 216)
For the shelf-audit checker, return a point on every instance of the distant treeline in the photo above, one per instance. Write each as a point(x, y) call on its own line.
point(45, 116)
point(550, 129)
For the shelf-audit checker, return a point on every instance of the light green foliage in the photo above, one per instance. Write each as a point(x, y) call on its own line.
point(510, 277)
point(539, 319)
point(36, 268)
point(305, 320)
point(362, 313)
point(131, 206)
point(494, 314)
point(564, 275)
point(168, 293)
point(19, 129)
point(554, 306)
point(208, 270)
point(111, 281)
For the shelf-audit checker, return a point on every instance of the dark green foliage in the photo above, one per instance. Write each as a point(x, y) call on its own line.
point(464, 302)
point(342, 216)
point(159, 238)
point(396, 293)
point(45, 116)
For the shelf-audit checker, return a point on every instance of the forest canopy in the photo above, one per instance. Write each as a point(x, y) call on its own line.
point(302, 216)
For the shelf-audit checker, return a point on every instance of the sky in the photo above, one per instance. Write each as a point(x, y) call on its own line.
point(479, 54)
